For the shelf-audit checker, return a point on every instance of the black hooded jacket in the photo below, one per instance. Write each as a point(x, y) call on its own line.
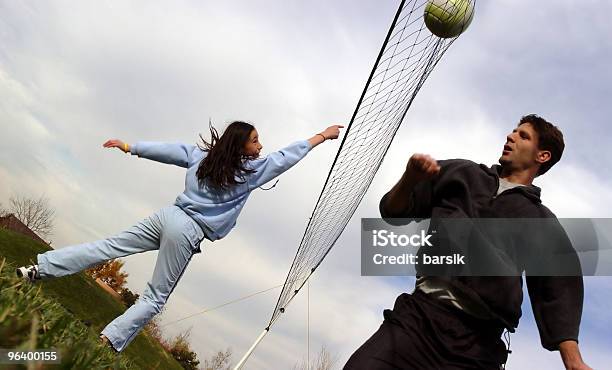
point(464, 189)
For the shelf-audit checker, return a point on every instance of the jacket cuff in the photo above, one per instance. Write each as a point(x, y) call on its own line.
point(553, 345)
point(305, 144)
point(134, 149)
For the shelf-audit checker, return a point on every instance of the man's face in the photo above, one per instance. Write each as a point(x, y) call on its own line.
point(521, 149)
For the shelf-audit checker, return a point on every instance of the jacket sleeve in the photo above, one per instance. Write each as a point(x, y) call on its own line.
point(420, 205)
point(276, 163)
point(420, 199)
point(555, 285)
point(169, 153)
point(557, 306)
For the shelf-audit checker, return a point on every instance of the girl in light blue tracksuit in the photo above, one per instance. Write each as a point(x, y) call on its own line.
point(220, 177)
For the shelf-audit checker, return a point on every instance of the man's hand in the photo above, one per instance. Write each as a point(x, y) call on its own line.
point(570, 354)
point(116, 143)
point(421, 167)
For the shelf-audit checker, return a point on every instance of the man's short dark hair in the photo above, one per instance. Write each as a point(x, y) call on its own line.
point(549, 138)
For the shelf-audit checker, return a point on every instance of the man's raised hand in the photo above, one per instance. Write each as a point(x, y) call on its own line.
point(421, 167)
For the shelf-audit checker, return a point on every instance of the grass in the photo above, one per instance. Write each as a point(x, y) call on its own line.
point(65, 313)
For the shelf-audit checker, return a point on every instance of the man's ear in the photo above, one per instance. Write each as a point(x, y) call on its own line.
point(543, 156)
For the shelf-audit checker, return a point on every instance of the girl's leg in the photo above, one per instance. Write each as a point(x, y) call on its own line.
point(65, 261)
point(180, 238)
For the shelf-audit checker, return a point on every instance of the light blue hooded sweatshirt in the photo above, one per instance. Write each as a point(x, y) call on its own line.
point(216, 210)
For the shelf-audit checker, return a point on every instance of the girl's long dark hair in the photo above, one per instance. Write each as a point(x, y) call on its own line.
point(225, 159)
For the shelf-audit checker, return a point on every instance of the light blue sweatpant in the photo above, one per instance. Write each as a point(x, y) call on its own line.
point(171, 230)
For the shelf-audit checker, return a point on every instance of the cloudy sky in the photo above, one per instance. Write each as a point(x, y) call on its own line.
point(74, 74)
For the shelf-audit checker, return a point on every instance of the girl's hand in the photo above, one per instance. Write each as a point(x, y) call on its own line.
point(116, 143)
point(332, 132)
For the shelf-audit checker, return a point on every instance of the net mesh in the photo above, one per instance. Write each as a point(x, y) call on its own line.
point(408, 55)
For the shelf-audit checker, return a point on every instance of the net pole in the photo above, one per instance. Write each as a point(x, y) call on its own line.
point(248, 353)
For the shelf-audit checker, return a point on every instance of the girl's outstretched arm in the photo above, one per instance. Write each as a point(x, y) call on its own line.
point(170, 153)
point(275, 163)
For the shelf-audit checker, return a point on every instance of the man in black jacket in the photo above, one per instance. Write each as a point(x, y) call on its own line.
point(456, 322)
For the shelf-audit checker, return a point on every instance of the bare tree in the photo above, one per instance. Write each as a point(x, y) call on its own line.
point(220, 361)
point(36, 214)
point(3, 211)
point(324, 361)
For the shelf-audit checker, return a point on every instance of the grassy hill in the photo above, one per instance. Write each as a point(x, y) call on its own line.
point(65, 313)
